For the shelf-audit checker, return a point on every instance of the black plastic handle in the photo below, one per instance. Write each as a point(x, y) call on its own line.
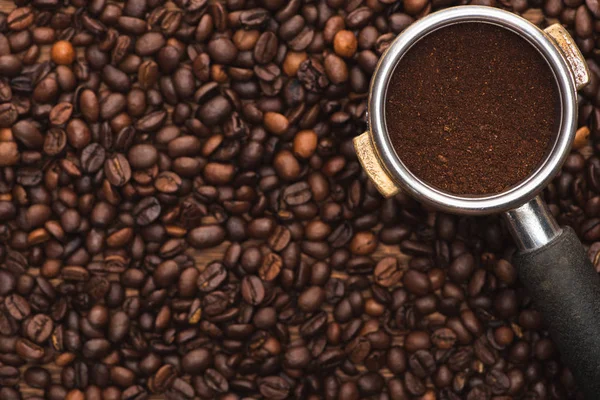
point(566, 290)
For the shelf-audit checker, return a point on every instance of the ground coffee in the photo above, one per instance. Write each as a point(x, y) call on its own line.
point(472, 109)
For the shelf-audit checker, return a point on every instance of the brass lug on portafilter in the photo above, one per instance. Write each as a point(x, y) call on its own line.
point(565, 43)
point(367, 155)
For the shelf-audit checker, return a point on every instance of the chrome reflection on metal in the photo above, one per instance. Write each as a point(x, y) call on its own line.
point(531, 225)
point(487, 204)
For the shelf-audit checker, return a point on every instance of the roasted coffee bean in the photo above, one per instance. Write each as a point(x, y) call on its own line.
point(118, 327)
point(206, 236)
point(60, 113)
point(422, 363)
point(162, 380)
point(151, 122)
point(142, 156)
point(27, 133)
point(29, 350)
point(168, 182)
point(214, 111)
point(10, 65)
point(149, 43)
point(37, 377)
point(147, 211)
point(93, 157)
point(20, 18)
point(461, 268)
point(209, 279)
point(17, 307)
point(311, 299)
point(38, 328)
point(413, 384)
point(388, 272)
point(270, 267)
point(274, 387)
point(116, 79)
point(196, 361)
point(253, 290)
point(117, 170)
point(96, 348)
point(8, 115)
point(443, 338)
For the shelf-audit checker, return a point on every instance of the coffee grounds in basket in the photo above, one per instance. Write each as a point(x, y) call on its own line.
point(472, 109)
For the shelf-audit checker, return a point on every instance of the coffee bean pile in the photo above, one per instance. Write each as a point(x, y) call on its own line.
point(138, 135)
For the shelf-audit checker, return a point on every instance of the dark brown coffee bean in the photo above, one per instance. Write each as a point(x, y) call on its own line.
point(38, 328)
point(214, 111)
point(183, 81)
point(443, 338)
point(93, 157)
point(162, 380)
point(253, 290)
point(116, 79)
point(311, 299)
point(254, 18)
point(149, 43)
point(222, 50)
point(10, 65)
point(17, 307)
point(117, 170)
point(96, 348)
point(213, 276)
point(27, 133)
point(498, 381)
point(29, 350)
point(168, 182)
point(151, 122)
point(8, 115)
point(118, 327)
point(388, 272)
point(9, 376)
point(146, 211)
point(265, 48)
point(37, 377)
point(274, 387)
point(9, 153)
point(89, 105)
point(142, 156)
point(270, 267)
point(413, 384)
point(148, 74)
point(359, 17)
point(461, 268)
point(297, 194)
point(78, 133)
point(61, 113)
point(196, 361)
point(215, 381)
point(279, 239)
point(358, 349)
point(206, 236)
point(417, 340)
point(20, 18)
point(336, 69)
point(7, 282)
point(422, 363)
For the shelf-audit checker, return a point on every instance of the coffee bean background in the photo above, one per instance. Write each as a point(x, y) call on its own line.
point(182, 214)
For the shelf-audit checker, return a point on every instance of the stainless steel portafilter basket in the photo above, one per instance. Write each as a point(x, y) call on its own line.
point(552, 262)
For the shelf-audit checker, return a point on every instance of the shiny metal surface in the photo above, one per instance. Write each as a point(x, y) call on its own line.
point(479, 205)
point(531, 225)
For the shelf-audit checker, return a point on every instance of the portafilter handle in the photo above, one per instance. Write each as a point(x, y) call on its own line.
point(564, 286)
